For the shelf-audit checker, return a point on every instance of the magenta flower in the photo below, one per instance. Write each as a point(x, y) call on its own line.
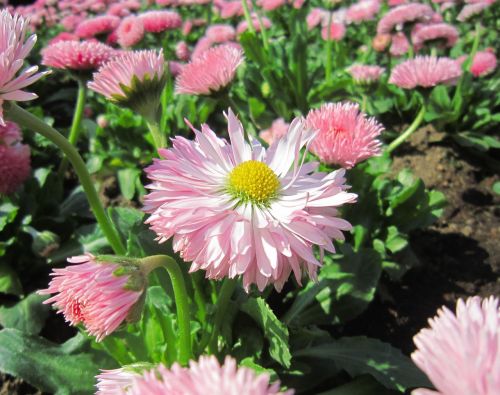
point(365, 74)
point(76, 55)
point(96, 26)
point(205, 376)
point(160, 21)
point(446, 33)
point(460, 353)
point(130, 32)
point(335, 31)
point(13, 50)
point(425, 72)
point(239, 209)
point(211, 71)
point(484, 63)
point(413, 12)
point(345, 135)
point(100, 293)
point(277, 130)
point(15, 162)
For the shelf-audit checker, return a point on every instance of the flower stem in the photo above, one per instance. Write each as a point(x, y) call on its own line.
point(158, 137)
point(328, 48)
point(76, 124)
point(181, 303)
point(246, 11)
point(223, 300)
point(414, 126)
point(28, 120)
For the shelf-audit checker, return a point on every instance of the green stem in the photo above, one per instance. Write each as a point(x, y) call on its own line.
point(265, 40)
point(223, 300)
point(414, 126)
point(328, 48)
point(159, 138)
point(181, 302)
point(76, 124)
point(199, 297)
point(28, 120)
point(246, 11)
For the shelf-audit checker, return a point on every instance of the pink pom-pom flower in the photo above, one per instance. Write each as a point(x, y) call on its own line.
point(15, 162)
point(95, 26)
point(205, 376)
point(334, 31)
point(365, 74)
point(130, 32)
point(241, 210)
point(160, 21)
point(13, 50)
point(444, 32)
point(117, 381)
point(460, 352)
point(76, 55)
point(345, 136)
point(425, 72)
point(209, 72)
point(413, 12)
point(277, 130)
point(100, 293)
point(364, 10)
point(220, 33)
point(484, 63)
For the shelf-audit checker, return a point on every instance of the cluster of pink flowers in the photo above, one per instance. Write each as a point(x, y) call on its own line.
point(14, 159)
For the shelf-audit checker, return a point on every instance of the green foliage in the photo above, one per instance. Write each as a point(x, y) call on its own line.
point(27, 315)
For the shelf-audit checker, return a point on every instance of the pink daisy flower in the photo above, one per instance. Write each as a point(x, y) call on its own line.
point(345, 135)
point(160, 21)
point(277, 130)
point(471, 10)
point(413, 12)
point(316, 17)
point(239, 209)
point(96, 26)
point(399, 44)
point(381, 41)
point(13, 50)
point(335, 33)
point(364, 10)
point(365, 74)
point(130, 32)
point(135, 79)
point(64, 36)
point(443, 32)
point(426, 72)
point(182, 51)
point(484, 63)
point(115, 381)
point(76, 55)
point(15, 162)
point(230, 9)
point(100, 293)
point(220, 33)
point(206, 376)
point(210, 72)
point(270, 5)
point(460, 353)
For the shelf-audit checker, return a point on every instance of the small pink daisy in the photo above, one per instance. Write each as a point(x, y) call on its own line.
point(115, 381)
point(365, 74)
point(364, 10)
point(336, 33)
point(210, 72)
point(230, 9)
point(15, 162)
point(270, 5)
point(220, 33)
point(471, 10)
point(444, 32)
point(413, 12)
point(130, 32)
point(484, 63)
point(277, 130)
point(206, 376)
point(95, 26)
point(399, 44)
point(426, 72)
point(100, 293)
point(316, 17)
point(345, 135)
point(182, 51)
point(13, 50)
point(76, 55)
point(160, 21)
point(241, 210)
point(460, 352)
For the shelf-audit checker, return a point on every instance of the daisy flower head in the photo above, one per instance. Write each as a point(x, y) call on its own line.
point(130, 32)
point(425, 72)
point(460, 352)
point(134, 79)
point(443, 32)
point(160, 21)
point(399, 44)
point(119, 381)
point(363, 10)
point(484, 63)
point(98, 292)
point(205, 376)
point(14, 47)
point(237, 209)
point(405, 13)
point(345, 135)
point(15, 160)
point(334, 31)
point(220, 33)
point(471, 10)
point(213, 70)
point(96, 26)
point(365, 74)
point(277, 130)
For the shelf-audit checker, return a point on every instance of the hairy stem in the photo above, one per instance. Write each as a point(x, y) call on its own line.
point(414, 126)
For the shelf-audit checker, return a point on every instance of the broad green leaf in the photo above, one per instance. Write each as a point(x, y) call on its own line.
point(274, 331)
point(45, 365)
point(8, 213)
point(28, 315)
point(127, 180)
point(9, 281)
point(361, 355)
point(125, 219)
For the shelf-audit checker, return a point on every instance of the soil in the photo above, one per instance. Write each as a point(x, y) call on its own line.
point(459, 255)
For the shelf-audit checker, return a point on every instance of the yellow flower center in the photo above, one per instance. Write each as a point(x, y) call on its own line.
point(253, 181)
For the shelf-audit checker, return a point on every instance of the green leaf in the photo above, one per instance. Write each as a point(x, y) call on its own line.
point(126, 180)
point(9, 281)
point(8, 213)
point(274, 331)
point(363, 385)
point(361, 355)
point(45, 365)
point(496, 187)
point(125, 219)
point(28, 315)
